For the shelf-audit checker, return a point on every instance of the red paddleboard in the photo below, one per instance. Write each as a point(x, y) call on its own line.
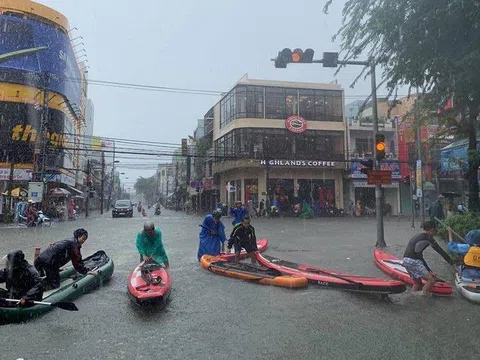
point(262, 245)
point(149, 284)
point(393, 266)
point(332, 279)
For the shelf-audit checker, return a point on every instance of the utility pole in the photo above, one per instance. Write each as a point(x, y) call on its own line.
point(412, 190)
point(102, 192)
point(112, 180)
point(88, 188)
point(176, 185)
point(419, 168)
point(10, 183)
point(43, 130)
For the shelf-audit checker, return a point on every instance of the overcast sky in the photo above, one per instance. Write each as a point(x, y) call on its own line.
point(206, 44)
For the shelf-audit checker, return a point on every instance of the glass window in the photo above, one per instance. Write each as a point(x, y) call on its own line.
point(292, 102)
point(319, 105)
point(307, 104)
point(241, 102)
point(275, 104)
point(333, 106)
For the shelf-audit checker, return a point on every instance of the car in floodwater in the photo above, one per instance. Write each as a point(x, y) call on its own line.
point(122, 208)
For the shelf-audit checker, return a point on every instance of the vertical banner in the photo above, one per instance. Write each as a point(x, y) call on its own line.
point(419, 178)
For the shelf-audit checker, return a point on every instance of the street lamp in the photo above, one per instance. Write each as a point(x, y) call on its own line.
point(330, 59)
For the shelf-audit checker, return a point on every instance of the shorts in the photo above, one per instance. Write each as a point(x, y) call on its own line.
point(249, 246)
point(415, 268)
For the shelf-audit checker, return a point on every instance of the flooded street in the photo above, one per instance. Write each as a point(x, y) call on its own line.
point(215, 317)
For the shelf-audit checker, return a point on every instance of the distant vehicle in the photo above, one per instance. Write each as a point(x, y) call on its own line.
point(122, 208)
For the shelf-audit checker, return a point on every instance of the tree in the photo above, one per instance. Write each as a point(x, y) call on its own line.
point(147, 187)
point(202, 147)
point(427, 44)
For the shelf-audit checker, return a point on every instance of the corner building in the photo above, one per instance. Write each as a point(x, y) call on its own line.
point(284, 141)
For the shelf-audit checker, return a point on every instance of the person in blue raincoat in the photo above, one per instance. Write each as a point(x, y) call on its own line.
point(212, 237)
point(238, 213)
point(150, 246)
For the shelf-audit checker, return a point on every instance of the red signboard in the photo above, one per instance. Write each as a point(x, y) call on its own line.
point(296, 124)
point(379, 177)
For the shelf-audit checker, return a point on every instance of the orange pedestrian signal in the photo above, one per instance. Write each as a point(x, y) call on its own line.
point(297, 55)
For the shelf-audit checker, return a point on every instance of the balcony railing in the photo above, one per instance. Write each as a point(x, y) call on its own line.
point(262, 155)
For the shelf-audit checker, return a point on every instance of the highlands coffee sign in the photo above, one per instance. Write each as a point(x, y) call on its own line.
point(297, 163)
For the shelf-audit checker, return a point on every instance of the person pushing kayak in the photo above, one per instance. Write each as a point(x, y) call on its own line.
point(414, 262)
point(150, 245)
point(212, 236)
point(243, 236)
point(22, 279)
point(50, 260)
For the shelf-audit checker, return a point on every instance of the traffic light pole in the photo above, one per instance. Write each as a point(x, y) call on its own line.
point(378, 188)
point(419, 157)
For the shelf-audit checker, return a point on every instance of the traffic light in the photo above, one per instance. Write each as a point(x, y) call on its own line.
point(287, 56)
point(330, 59)
point(184, 147)
point(380, 146)
point(367, 166)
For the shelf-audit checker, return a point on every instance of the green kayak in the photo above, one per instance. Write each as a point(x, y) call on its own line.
point(73, 285)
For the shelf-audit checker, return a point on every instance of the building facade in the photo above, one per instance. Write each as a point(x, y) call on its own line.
point(41, 110)
point(280, 141)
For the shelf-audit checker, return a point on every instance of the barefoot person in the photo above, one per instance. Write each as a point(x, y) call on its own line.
point(414, 262)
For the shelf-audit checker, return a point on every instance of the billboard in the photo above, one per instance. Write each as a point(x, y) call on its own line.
point(30, 48)
point(20, 132)
point(393, 166)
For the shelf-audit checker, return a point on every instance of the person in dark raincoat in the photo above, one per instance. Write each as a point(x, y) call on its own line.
point(212, 236)
point(436, 210)
point(22, 279)
point(58, 254)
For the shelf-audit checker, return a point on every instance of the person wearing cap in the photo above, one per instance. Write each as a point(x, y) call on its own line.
point(414, 262)
point(238, 213)
point(212, 236)
point(22, 279)
point(150, 245)
point(58, 254)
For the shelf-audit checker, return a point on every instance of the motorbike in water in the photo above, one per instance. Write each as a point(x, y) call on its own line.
point(42, 220)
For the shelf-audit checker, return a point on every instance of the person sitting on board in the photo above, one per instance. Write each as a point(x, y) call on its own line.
point(58, 254)
point(243, 236)
point(238, 213)
point(212, 236)
point(470, 269)
point(22, 279)
point(414, 262)
point(150, 244)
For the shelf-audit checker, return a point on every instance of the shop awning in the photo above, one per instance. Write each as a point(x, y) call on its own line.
point(17, 192)
point(59, 192)
point(75, 191)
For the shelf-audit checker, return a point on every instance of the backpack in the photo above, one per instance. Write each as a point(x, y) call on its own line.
point(472, 257)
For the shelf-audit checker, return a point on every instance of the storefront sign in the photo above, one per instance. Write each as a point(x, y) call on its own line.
point(296, 124)
point(393, 166)
point(61, 178)
point(18, 174)
point(363, 184)
point(35, 191)
point(297, 163)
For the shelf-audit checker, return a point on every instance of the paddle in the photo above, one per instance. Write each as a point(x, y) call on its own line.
point(314, 270)
point(443, 223)
point(64, 305)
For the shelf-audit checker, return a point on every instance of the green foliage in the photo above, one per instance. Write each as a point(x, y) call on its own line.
point(427, 44)
point(147, 187)
point(202, 147)
point(461, 224)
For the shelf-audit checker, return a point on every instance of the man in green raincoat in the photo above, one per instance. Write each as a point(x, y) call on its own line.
point(150, 245)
